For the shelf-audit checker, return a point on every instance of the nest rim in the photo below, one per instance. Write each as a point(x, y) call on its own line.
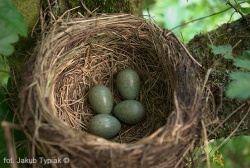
point(174, 119)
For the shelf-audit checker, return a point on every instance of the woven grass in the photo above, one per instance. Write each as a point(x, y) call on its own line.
point(75, 54)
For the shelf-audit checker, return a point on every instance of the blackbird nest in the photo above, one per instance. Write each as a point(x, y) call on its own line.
point(76, 54)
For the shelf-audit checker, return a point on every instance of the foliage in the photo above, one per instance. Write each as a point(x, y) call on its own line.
point(105, 6)
point(12, 23)
point(168, 14)
point(225, 50)
point(3, 109)
point(6, 114)
point(4, 71)
point(239, 87)
point(230, 154)
point(243, 6)
point(189, 18)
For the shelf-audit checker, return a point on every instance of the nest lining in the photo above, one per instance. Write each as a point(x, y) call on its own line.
point(78, 53)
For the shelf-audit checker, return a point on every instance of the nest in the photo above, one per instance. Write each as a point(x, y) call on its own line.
point(75, 54)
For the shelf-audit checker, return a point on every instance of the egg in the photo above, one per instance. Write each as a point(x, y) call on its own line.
point(128, 84)
point(101, 99)
point(129, 111)
point(104, 125)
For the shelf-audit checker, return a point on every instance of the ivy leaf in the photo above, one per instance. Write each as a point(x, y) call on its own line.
point(12, 23)
point(239, 87)
point(224, 50)
point(243, 61)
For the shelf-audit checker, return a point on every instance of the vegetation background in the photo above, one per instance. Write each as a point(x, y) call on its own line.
point(186, 18)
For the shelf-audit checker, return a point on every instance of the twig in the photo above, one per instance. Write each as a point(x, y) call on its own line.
point(230, 115)
point(206, 79)
point(206, 143)
point(167, 33)
point(49, 5)
point(218, 60)
point(231, 134)
point(85, 7)
point(183, 156)
point(236, 10)
point(201, 18)
point(3, 71)
point(178, 117)
point(66, 12)
point(209, 38)
point(6, 127)
point(192, 58)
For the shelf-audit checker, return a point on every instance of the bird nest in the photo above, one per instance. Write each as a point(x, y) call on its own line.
point(76, 54)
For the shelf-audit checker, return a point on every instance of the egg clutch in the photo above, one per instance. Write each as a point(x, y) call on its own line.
point(128, 111)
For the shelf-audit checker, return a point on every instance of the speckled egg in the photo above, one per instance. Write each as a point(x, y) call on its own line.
point(101, 99)
point(104, 125)
point(129, 111)
point(128, 84)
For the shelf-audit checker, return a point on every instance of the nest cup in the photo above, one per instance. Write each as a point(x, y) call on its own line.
point(76, 54)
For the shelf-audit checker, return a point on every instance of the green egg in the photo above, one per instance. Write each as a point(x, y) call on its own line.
point(101, 99)
point(128, 84)
point(104, 125)
point(129, 111)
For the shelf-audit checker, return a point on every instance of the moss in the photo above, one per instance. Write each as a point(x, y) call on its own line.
point(30, 10)
point(219, 78)
point(110, 6)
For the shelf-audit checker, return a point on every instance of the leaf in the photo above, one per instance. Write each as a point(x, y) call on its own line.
point(12, 23)
point(218, 158)
point(243, 61)
point(244, 7)
point(224, 50)
point(238, 6)
point(7, 38)
point(246, 54)
point(12, 18)
point(245, 10)
point(239, 87)
point(6, 114)
point(4, 108)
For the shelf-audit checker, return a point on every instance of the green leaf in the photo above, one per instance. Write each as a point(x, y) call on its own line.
point(238, 6)
point(224, 50)
point(243, 61)
point(4, 108)
point(244, 7)
point(6, 114)
point(12, 23)
point(12, 18)
point(7, 38)
point(246, 54)
point(239, 87)
point(245, 10)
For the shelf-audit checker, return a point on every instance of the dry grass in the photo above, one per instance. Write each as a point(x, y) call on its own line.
point(75, 54)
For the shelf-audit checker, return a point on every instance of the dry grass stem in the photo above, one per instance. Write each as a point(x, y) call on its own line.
point(75, 54)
